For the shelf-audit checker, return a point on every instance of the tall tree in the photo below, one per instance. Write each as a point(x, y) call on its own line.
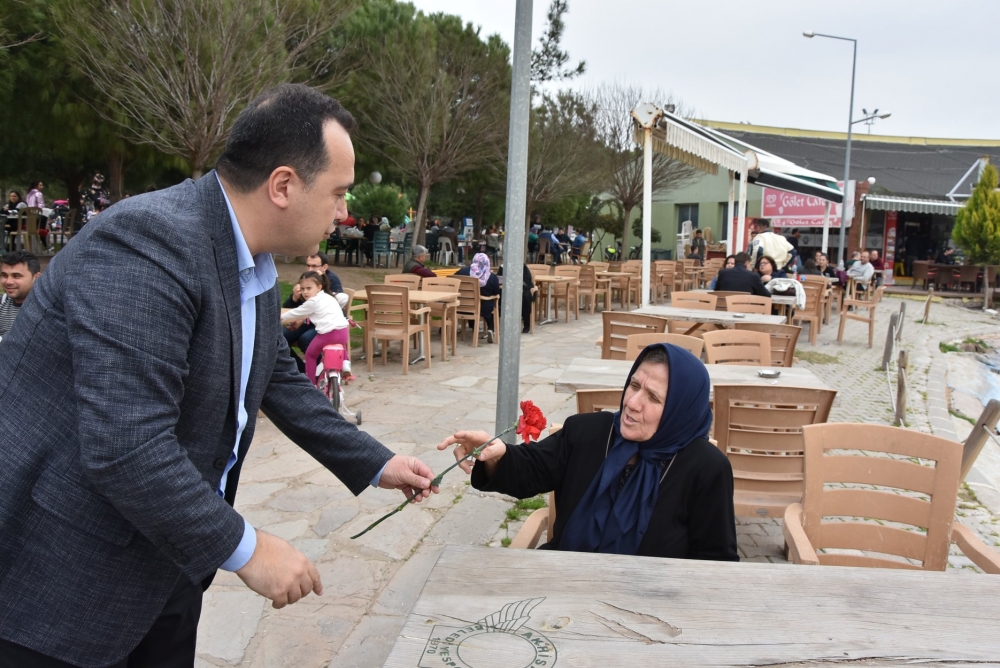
point(177, 72)
point(624, 174)
point(977, 226)
point(431, 97)
point(548, 60)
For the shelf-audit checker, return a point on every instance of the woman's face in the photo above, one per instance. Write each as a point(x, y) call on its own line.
point(730, 262)
point(821, 261)
point(765, 267)
point(643, 403)
point(13, 198)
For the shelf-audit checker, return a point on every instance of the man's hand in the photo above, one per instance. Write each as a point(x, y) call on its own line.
point(296, 292)
point(409, 475)
point(280, 572)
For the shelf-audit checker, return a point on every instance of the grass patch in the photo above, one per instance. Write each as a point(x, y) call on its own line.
point(525, 507)
point(286, 290)
point(962, 416)
point(947, 347)
point(506, 541)
point(814, 357)
point(978, 342)
point(457, 499)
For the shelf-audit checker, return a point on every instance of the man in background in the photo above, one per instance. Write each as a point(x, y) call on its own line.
point(18, 272)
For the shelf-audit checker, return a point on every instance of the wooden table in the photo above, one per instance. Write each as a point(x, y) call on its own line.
point(418, 297)
point(551, 280)
point(491, 608)
point(590, 374)
point(721, 319)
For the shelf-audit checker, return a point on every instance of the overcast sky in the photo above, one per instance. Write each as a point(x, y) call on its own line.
point(932, 63)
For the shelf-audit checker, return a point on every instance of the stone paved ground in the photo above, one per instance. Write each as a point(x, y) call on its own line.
point(372, 583)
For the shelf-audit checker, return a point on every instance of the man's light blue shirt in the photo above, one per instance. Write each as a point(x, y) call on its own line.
point(257, 276)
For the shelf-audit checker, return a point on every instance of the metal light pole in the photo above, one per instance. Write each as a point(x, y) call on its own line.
point(850, 127)
point(517, 194)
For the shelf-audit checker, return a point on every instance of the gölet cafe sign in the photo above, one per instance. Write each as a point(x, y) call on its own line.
point(787, 210)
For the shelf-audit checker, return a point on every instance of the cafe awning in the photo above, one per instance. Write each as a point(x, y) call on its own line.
point(911, 205)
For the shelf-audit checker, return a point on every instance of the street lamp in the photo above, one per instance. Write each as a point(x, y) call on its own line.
point(850, 126)
point(871, 117)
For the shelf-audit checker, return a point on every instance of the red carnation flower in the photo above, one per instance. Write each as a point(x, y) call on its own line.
point(531, 423)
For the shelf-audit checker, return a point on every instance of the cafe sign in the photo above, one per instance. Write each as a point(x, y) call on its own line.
point(787, 210)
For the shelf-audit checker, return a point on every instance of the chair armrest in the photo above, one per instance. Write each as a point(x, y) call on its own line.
point(489, 299)
point(420, 311)
point(975, 549)
point(800, 550)
point(531, 531)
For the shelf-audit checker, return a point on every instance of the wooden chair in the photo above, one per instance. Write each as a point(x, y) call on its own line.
point(539, 269)
point(783, 340)
point(635, 343)
point(828, 293)
point(664, 283)
point(813, 312)
point(390, 318)
point(445, 312)
point(591, 288)
point(26, 236)
point(761, 434)
point(544, 251)
point(595, 401)
point(619, 326)
point(748, 304)
point(541, 300)
point(567, 291)
point(720, 304)
point(740, 347)
point(353, 308)
point(468, 311)
point(599, 266)
point(883, 492)
point(859, 305)
point(412, 281)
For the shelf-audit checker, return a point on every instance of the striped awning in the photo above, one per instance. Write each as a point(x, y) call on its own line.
point(911, 205)
point(689, 143)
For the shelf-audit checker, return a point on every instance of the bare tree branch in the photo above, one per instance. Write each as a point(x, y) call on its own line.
point(178, 71)
point(624, 177)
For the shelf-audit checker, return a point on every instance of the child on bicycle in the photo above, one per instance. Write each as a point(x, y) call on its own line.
point(326, 313)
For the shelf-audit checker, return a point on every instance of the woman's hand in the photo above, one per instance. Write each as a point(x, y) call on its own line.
point(764, 278)
point(467, 441)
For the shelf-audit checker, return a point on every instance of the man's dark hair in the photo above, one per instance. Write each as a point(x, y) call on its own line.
point(763, 222)
point(697, 232)
point(22, 257)
point(795, 231)
point(742, 259)
point(322, 258)
point(281, 126)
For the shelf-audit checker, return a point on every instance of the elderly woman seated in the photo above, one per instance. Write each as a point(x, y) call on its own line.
point(642, 481)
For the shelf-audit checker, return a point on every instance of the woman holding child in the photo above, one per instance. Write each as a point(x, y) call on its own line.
point(644, 481)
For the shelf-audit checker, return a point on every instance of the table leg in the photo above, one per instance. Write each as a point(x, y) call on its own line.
point(420, 346)
point(548, 311)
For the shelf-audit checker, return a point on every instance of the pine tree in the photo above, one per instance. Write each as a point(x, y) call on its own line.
point(977, 225)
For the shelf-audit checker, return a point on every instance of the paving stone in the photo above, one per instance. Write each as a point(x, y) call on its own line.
point(306, 496)
point(472, 521)
point(287, 530)
point(229, 620)
point(333, 518)
point(461, 381)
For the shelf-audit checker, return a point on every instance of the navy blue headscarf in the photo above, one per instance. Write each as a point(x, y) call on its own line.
point(609, 520)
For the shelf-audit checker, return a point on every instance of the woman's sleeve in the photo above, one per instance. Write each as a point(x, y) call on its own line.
point(528, 469)
point(712, 529)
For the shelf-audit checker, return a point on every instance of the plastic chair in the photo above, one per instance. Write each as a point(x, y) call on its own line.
point(783, 340)
point(761, 434)
point(693, 300)
point(635, 343)
point(619, 326)
point(883, 492)
point(664, 284)
point(748, 304)
point(567, 291)
point(595, 401)
point(402, 250)
point(391, 319)
point(469, 301)
point(380, 247)
point(813, 312)
point(591, 288)
point(26, 236)
point(859, 305)
point(446, 253)
point(721, 295)
point(412, 281)
point(735, 346)
point(447, 313)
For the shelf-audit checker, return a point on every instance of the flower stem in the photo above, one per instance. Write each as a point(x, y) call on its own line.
point(435, 482)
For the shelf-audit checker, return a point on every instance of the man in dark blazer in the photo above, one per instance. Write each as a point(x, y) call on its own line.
point(741, 278)
point(130, 384)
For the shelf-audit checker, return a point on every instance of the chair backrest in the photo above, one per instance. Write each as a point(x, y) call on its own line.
point(721, 295)
point(468, 296)
point(698, 300)
point(406, 245)
point(29, 215)
point(761, 434)
point(588, 278)
point(599, 266)
point(635, 343)
point(783, 340)
point(412, 281)
point(618, 326)
point(968, 273)
point(380, 242)
point(748, 304)
point(810, 278)
point(814, 298)
point(539, 270)
point(885, 485)
point(595, 401)
point(388, 307)
point(572, 271)
point(440, 284)
point(543, 246)
point(735, 346)
point(444, 244)
point(921, 270)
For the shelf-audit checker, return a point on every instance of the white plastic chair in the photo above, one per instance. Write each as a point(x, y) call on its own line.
point(445, 252)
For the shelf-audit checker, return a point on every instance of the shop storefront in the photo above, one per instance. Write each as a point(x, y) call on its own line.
point(907, 229)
